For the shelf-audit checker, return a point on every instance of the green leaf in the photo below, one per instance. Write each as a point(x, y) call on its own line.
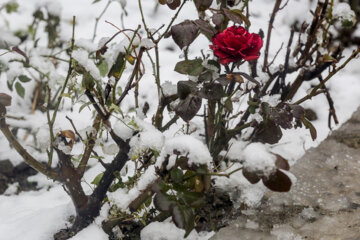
point(117, 69)
point(20, 89)
point(88, 81)
point(24, 78)
point(103, 68)
point(162, 202)
point(228, 105)
point(84, 105)
point(311, 128)
point(115, 107)
point(97, 179)
point(176, 175)
point(10, 83)
point(184, 218)
point(193, 199)
point(189, 67)
point(11, 7)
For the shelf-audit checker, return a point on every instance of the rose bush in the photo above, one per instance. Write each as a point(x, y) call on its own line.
point(236, 43)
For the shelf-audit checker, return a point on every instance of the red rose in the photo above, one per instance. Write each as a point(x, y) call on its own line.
point(236, 43)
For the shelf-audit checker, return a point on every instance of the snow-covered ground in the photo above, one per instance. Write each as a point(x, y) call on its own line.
point(39, 214)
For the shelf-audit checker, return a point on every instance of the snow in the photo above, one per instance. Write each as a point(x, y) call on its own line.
point(7, 39)
point(93, 231)
point(87, 44)
point(240, 189)
point(257, 158)
point(343, 11)
point(22, 216)
point(188, 146)
point(169, 88)
point(123, 198)
point(52, 6)
point(168, 231)
point(147, 43)
point(122, 130)
point(149, 138)
point(82, 57)
point(39, 214)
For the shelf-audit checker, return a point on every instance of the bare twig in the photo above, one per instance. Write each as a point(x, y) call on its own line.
point(320, 85)
point(268, 37)
point(99, 17)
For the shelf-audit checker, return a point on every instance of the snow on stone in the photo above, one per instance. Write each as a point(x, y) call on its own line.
point(169, 88)
point(86, 44)
point(195, 150)
point(7, 39)
point(162, 230)
point(168, 231)
point(82, 57)
point(309, 213)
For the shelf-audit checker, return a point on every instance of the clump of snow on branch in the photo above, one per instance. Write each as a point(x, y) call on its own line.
point(7, 39)
point(148, 138)
point(241, 191)
point(53, 7)
point(343, 12)
point(195, 150)
point(82, 57)
point(169, 88)
point(257, 158)
point(122, 197)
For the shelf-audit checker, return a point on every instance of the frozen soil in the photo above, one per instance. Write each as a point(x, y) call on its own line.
point(323, 204)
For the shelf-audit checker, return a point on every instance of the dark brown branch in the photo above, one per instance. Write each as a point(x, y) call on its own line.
point(268, 37)
point(332, 111)
point(30, 160)
point(96, 106)
point(133, 74)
